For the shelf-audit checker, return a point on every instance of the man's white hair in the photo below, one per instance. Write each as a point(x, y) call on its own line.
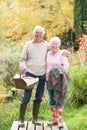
point(40, 28)
point(55, 39)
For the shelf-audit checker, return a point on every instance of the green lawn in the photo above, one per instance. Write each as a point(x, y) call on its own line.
point(75, 118)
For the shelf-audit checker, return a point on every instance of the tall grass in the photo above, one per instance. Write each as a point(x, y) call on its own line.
point(76, 118)
point(77, 94)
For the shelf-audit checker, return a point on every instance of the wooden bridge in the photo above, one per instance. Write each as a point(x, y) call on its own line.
point(30, 126)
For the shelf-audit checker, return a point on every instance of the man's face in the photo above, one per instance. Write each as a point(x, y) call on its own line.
point(38, 36)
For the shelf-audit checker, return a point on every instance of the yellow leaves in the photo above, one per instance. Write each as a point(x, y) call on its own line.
point(17, 32)
point(10, 23)
point(55, 16)
point(59, 17)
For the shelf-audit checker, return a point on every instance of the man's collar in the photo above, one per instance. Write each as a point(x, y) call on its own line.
point(33, 41)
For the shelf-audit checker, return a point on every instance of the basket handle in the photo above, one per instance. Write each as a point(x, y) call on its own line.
point(22, 71)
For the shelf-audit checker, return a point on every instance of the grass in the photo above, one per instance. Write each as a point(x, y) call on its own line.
point(75, 118)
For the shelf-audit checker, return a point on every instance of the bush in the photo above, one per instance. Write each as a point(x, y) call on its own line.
point(77, 94)
point(9, 59)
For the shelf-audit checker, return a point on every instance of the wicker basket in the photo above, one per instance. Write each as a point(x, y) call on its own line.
point(21, 84)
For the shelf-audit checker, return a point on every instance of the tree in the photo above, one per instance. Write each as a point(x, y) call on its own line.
point(80, 17)
point(18, 18)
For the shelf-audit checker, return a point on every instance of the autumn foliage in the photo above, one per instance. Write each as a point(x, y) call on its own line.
point(83, 45)
point(18, 18)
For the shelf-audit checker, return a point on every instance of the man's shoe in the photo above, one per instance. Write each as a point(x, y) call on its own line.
point(21, 124)
point(34, 121)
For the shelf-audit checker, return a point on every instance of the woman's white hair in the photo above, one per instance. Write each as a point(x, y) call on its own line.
point(40, 28)
point(55, 39)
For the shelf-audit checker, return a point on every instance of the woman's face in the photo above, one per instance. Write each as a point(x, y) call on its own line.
point(54, 47)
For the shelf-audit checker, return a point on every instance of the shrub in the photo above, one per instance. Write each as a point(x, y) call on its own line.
point(9, 59)
point(77, 94)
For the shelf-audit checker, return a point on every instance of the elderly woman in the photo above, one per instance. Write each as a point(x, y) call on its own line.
point(57, 80)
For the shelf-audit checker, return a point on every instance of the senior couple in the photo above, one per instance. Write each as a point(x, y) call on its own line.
point(47, 62)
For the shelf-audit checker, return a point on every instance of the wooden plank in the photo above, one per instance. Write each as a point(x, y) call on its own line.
point(65, 127)
point(30, 126)
point(46, 127)
point(56, 127)
point(40, 127)
point(24, 128)
point(15, 126)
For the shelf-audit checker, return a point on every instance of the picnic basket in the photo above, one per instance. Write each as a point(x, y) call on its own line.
point(25, 82)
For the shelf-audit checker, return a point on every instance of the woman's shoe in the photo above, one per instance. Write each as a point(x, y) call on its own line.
point(60, 124)
point(52, 123)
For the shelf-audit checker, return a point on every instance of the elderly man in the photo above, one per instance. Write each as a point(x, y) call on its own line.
point(34, 65)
